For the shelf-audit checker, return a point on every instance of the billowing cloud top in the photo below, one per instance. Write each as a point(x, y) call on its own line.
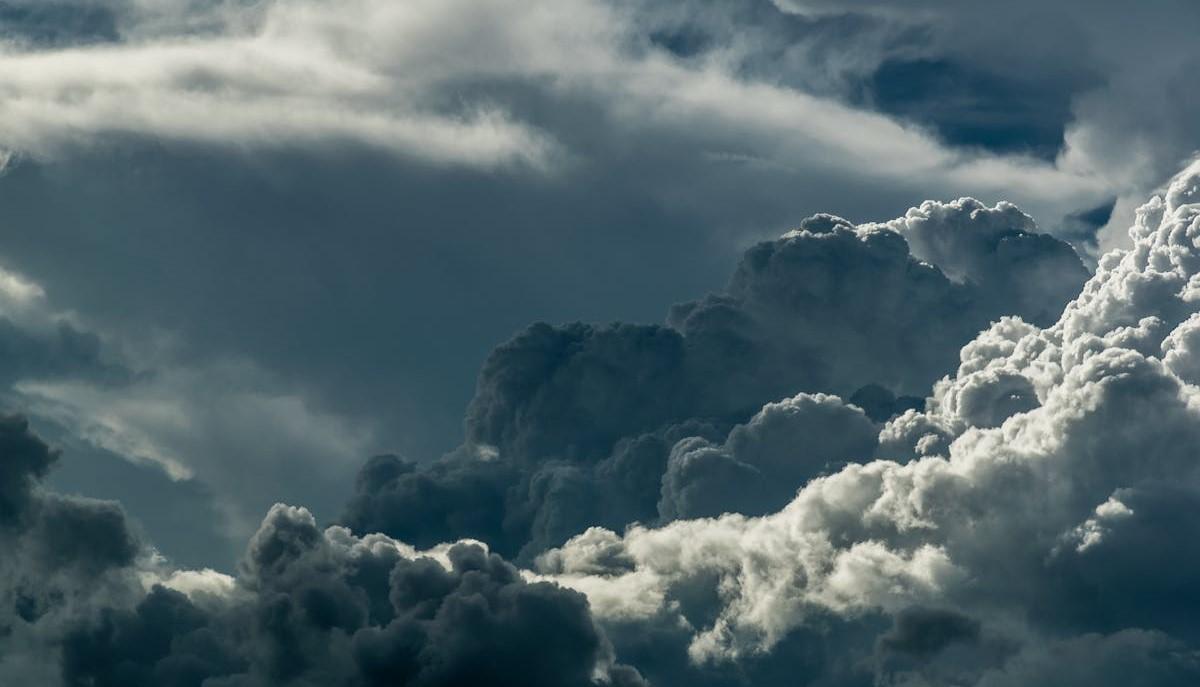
point(582, 425)
point(1034, 513)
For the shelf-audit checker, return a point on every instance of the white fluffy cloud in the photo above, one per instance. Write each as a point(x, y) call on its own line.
point(1061, 440)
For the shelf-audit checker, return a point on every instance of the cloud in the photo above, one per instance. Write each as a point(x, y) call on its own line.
point(1031, 516)
point(632, 417)
point(254, 87)
point(926, 631)
point(287, 144)
point(1034, 528)
point(65, 553)
point(436, 82)
point(1113, 89)
point(1025, 529)
point(761, 463)
point(226, 425)
point(211, 423)
point(40, 343)
point(83, 601)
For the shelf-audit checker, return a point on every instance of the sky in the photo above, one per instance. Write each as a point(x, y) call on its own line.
point(598, 342)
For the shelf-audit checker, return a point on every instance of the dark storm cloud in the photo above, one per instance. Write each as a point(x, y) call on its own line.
point(308, 607)
point(62, 553)
point(322, 608)
point(570, 415)
point(926, 631)
point(761, 463)
point(26, 460)
point(50, 533)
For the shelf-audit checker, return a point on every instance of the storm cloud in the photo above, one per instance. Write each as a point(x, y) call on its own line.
point(248, 245)
point(577, 414)
point(1015, 529)
point(86, 602)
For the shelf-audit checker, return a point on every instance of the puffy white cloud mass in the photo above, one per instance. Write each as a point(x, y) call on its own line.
point(1043, 506)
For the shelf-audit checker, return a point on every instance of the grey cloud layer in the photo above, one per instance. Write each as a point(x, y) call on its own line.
point(124, 396)
point(441, 82)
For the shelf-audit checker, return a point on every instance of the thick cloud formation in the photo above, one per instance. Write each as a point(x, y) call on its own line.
point(1031, 524)
point(1034, 531)
point(704, 484)
point(62, 554)
point(761, 464)
point(320, 608)
point(82, 602)
point(633, 418)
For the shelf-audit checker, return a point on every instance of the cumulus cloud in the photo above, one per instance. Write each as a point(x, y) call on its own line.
point(1028, 533)
point(288, 141)
point(64, 555)
point(761, 463)
point(634, 418)
point(84, 601)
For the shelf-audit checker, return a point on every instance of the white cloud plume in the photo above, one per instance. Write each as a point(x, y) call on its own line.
point(1101, 427)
